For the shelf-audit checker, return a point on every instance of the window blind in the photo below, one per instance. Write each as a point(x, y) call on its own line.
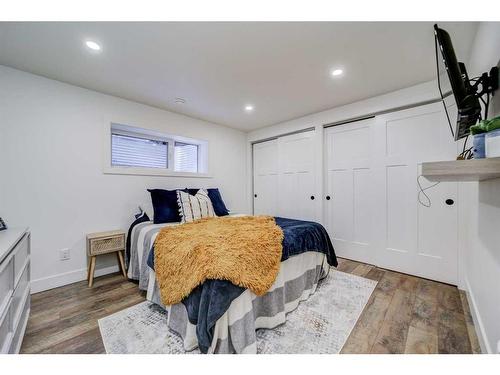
point(185, 157)
point(129, 151)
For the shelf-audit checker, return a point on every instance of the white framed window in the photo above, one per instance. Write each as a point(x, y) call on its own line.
point(141, 151)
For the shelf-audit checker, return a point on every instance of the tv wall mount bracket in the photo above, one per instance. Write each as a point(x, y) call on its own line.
point(487, 81)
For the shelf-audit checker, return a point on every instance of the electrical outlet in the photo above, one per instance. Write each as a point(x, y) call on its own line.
point(64, 254)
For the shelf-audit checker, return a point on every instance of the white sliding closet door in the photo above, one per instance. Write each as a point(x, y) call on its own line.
point(373, 214)
point(415, 239)
point(265, 177)
point(297, 198)
point(349, 200)
point(284, 177)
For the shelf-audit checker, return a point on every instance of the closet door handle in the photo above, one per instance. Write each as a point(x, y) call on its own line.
point(449, 202)
point(255, 195)
point(312, 197)
point(327, 197)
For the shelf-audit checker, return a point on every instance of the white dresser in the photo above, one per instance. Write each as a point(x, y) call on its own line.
point(14, 287)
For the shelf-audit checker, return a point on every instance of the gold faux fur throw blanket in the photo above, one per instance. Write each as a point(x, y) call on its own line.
point(244, 250)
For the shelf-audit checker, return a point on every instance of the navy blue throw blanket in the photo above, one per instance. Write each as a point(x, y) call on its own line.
point(209, 301)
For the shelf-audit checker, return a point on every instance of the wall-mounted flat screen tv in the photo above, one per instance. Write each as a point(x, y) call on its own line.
point(459, 98)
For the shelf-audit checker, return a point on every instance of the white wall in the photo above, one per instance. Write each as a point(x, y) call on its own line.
point(51, 144)
point(480, 255)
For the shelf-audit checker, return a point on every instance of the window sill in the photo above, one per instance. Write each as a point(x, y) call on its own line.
point(152, 172)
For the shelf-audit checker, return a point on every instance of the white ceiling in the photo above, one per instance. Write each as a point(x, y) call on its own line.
point(283, 69)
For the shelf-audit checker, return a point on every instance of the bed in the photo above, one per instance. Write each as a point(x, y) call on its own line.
point(219, 317)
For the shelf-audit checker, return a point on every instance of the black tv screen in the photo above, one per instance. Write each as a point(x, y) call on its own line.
point(459, 99)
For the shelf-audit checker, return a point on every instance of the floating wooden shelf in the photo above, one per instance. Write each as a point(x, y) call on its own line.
point(462, 170)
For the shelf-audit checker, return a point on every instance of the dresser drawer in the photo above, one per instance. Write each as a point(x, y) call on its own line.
point(106, 245)
point(14, 286)
point(18, 335)
point(5, 330)
point(21, 254)
point(6, 282)
point(21, 294)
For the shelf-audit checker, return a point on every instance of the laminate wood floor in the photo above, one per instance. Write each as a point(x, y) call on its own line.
point(405, 314)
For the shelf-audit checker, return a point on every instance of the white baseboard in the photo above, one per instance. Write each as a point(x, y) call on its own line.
point(476, 317)
point(50, 282)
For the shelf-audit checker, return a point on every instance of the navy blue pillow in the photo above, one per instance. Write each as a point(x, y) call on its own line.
point(217, 202)
point(165, 207)
point(219, 206)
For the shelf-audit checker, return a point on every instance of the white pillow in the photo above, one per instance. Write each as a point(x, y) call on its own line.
point(194, 207)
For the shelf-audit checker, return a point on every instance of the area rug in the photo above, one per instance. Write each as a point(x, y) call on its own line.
point(321, 324)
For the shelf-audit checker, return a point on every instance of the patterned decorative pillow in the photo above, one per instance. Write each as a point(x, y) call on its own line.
point(194, 207)
point(217, 202)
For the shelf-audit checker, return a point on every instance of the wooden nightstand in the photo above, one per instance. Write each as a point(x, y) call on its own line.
point(105, 243)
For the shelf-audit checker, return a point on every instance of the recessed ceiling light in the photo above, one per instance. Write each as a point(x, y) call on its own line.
point(180, 101)
point(249, 108)
point(93, 45)
point(337, 72)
